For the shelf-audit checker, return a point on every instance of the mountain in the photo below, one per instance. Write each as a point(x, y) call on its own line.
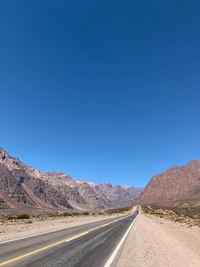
point(175, 184)
point(22, 186)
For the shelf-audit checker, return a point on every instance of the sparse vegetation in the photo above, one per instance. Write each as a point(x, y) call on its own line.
point(52, 215)
point(10, 217)
point(75, 213)
point(23, 216)
point(86, 213)
point(17, 215)
point(118, 210)
point(183, 212)
point(67, 214)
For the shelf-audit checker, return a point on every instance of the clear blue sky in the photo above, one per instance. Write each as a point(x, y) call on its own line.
point(103, 90)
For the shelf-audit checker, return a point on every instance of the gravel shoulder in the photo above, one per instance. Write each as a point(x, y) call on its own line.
point(21, 229)
point(155, 241)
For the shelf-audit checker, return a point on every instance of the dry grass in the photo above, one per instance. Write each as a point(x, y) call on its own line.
point(15, 215)
point(118, 210)
point(183, 212)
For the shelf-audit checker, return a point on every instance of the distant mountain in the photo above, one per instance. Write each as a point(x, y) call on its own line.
point(177, 183)
point(22, 186)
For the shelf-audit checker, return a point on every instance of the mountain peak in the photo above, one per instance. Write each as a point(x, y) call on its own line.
point(22, 186)
point(3, 154)
point(176, 183)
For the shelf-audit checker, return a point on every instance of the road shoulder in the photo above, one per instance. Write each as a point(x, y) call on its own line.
point(158, 242)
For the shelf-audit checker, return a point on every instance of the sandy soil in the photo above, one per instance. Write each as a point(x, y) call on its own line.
point(157, 242)
point(20, 229)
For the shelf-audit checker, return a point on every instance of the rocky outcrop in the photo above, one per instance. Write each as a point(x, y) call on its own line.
point(177, 183)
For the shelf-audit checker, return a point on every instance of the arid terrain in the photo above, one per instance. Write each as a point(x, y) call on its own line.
point(23, 225)
point(175, 184)
point(155, 241)
point(25, 188)
point(10, 230)
point(185, 211)
point(165, 233)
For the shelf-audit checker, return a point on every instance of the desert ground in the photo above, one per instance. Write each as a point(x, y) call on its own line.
point(158, 242)
point(152, 242)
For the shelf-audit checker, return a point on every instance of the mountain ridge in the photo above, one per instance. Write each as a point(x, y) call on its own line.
point(175, 184)
point(24, 186)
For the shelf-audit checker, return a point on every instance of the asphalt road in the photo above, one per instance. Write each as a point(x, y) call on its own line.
point(89, 245)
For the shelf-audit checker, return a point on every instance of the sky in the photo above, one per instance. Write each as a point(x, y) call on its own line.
point(103, 90)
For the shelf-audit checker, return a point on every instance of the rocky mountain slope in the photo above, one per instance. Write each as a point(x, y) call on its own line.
point(24, 186)
point(177, 183)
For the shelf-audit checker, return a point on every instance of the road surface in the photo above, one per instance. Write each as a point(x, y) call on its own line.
point(90, 245)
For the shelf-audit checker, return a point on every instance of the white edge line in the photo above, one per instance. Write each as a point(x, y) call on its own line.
point(114, 254)
point(82, 234)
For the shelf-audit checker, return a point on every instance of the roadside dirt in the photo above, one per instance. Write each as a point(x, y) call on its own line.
point(24, 228)
point(155, 241)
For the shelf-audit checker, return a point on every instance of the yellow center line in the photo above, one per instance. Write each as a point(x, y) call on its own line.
point(42, 249)
point(53, 244)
